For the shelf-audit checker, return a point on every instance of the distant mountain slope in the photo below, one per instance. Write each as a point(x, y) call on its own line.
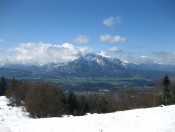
point(90, 65)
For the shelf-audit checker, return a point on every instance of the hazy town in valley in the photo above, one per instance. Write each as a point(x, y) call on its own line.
point(87, 65)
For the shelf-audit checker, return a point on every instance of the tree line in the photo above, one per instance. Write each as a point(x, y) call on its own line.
point(43, 99)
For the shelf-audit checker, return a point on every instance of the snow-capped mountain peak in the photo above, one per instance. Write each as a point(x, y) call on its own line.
point(87, 65)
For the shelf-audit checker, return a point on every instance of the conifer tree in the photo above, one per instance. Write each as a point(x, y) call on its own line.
point(84, 107)
point(166, 90)
point(3, 86)
point(73, 105)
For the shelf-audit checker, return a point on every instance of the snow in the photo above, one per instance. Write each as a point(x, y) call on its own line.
point(159, 119)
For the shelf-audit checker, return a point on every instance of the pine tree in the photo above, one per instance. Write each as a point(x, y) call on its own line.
point(173, 92)
point(166, 90)
point(3, 86)
point(14, 83)
point(84, 107)
point(73, 105)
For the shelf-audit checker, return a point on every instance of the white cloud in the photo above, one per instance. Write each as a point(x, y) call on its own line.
point(112, 39)
point(111, 21)
point(137, 59)
point(142, 59)
point(82, 39)
point(164, 57)
point(161, 57)
point(3, 60)
point(103, 53)
point(115, 50)
point(41, 53)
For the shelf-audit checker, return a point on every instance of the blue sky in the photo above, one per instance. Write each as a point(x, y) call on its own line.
point(42, 31)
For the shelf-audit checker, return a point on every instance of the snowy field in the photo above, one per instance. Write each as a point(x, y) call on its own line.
point(160, 119)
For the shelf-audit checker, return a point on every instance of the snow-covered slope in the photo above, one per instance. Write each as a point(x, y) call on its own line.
point(160, 119)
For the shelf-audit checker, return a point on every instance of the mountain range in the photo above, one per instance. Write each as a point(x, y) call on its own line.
point(89, 65)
